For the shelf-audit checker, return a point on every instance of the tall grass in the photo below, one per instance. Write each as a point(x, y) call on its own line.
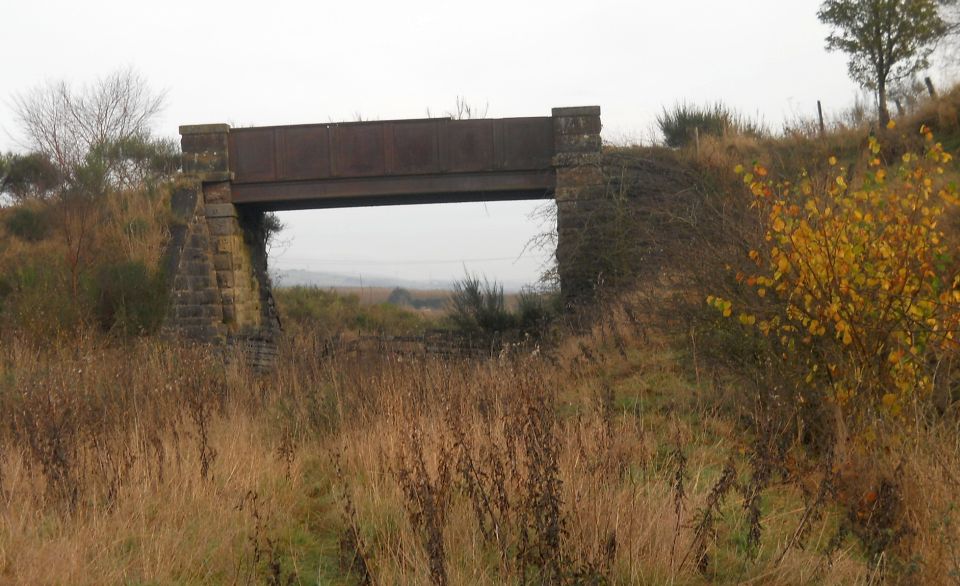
point(160, 464)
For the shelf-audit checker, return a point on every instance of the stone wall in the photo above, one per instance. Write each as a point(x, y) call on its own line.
point(220, 290)
point(580, 189)
point(195, 311)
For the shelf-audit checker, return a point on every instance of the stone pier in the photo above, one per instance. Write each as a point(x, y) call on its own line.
point(220, 289)
point(579, 190)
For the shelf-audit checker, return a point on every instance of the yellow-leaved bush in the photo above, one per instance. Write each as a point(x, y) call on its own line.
point(854, 278)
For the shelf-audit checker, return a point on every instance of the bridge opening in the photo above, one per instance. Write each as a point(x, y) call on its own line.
point(427, 246)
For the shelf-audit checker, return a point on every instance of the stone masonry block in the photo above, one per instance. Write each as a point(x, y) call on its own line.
point(200, 332)
point(205, 297)
point(184, 312)
point(562, 194)
point(201, 282)
point(197, 268)
point(574, 159)
point(183, 202)
point(190, 129)
point(578, 143)
point(206, 166)
point(198, 241)
point(216, 192)
point(225, 279)
point(223, 226)
point(205, 152)
point(222, 261)
point(193, 256)
point(567, 112)
point(577, 125)
point(220, 210)
point(227, 244)
point(582, 175)
point(585, 207)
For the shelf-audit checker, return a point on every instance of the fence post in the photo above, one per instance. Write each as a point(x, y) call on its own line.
point(823, 127)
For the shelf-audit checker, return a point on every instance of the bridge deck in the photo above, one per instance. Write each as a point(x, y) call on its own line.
point(433, 160)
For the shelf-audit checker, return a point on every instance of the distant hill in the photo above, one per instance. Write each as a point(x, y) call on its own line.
point(301, 277)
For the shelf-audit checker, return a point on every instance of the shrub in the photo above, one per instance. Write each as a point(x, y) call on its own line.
point(400, 296)
point(27, 224)
point(477, 308)
point(678, 124)
point(29, 176)
point(535, 311)
point(855, 282)
point(129, 300)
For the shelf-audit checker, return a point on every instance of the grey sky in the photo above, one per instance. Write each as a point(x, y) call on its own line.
point(285, 62)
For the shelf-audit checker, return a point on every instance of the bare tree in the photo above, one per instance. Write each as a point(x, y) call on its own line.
point(66, 123)
point(86, 143)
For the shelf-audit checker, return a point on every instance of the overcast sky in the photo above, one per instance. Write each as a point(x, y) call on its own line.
point(279, 62)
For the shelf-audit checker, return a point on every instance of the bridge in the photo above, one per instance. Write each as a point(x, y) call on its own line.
point(216, 258)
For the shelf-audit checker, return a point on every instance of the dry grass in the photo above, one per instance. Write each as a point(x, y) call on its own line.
point(600, 462)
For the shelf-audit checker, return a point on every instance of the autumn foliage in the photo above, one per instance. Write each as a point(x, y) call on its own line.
point(853, 280)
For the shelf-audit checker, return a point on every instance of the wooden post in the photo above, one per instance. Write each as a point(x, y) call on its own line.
point(823, 127)
point(696, 138)
point(899, 104)
point(930, 90)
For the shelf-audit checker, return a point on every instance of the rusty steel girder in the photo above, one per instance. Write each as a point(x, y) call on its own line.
point(392, 162)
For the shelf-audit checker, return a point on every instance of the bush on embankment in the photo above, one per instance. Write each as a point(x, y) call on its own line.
point(830, 280)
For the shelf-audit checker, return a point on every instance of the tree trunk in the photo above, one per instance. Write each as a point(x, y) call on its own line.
point(882, 111)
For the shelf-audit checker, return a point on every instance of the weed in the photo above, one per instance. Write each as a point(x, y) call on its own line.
point(427, 500)
point(704, 528)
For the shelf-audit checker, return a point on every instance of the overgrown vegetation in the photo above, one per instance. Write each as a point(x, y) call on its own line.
point(376, 469)
point(81, 245)
point(801, 427)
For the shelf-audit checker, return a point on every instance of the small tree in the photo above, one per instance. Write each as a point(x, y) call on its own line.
point(66, 124)
point(28, 176)
point(86, 143)
point(886, 40)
